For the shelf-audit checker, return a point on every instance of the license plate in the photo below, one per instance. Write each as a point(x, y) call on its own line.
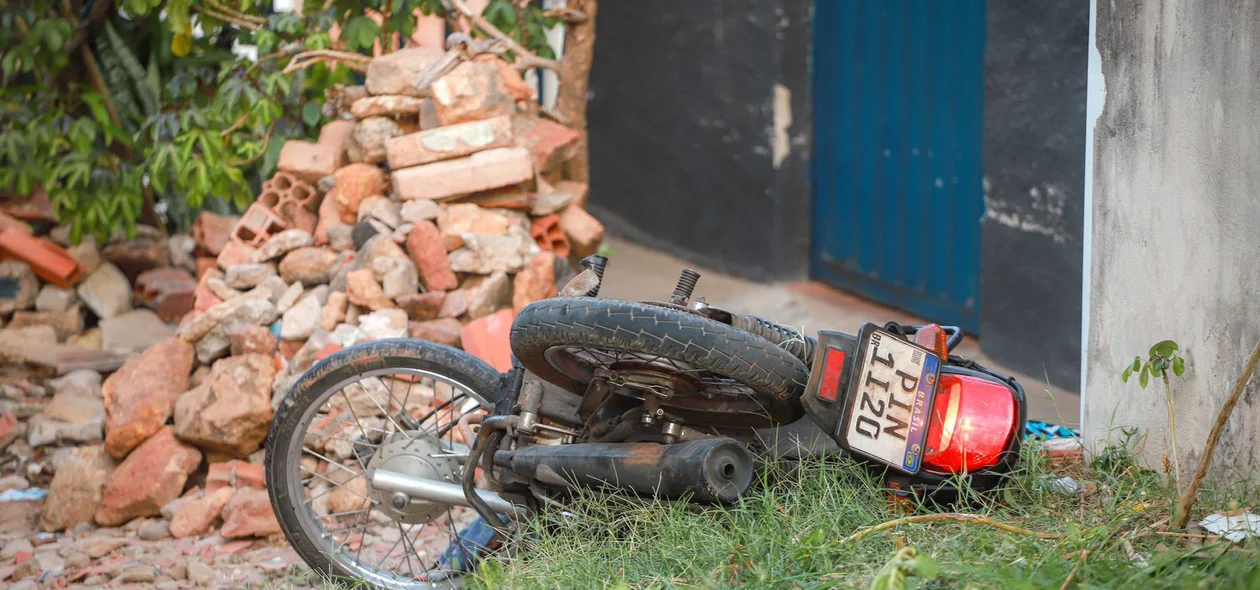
point(891, 393)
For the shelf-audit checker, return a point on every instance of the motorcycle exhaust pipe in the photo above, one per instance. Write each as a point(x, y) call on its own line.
point(432, 490)
point(710, 470)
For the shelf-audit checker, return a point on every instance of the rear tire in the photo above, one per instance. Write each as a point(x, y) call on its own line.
point(775, 376)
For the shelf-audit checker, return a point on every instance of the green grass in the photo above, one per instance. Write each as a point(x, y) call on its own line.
point(789, 531)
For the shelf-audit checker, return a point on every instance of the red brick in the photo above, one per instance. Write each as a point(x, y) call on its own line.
point(196, 516)
point(337, 136)
point(329, 215)
point(211, 232)
point(328, 350)
point(443, 331)
point(205, 263)
point(288, 348)
point(547, 232)
point(309, 161)
point(451, 141)
point(550, 143)
point(585, 233)
point(395, 72)
point(140, 396)
point(258, 224)
point(249, 514)
point(364, 291)
point(151, 476)
point(424, 246)
point(481, 171)
point(169, 291)
point(536, 281)
point(487, 339)
point(234, 253)
point(422, 306)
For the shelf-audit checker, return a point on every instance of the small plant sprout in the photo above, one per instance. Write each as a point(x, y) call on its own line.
point(1163, 357)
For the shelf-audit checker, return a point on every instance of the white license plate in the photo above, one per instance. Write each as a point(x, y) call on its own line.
point(891, 395)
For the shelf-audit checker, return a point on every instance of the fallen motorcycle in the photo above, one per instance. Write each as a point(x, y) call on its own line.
point(401, 463)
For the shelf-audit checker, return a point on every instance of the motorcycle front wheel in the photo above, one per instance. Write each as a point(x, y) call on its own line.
point(400, 405)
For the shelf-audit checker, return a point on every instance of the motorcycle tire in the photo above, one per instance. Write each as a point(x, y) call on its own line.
point(285, 440)
point(702, 343)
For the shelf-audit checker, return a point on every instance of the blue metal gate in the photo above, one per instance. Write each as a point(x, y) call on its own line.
point(898, 93)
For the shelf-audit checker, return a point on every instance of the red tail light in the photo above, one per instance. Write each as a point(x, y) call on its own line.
point(971, 424)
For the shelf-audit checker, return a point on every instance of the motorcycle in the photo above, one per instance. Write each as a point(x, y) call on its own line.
point(402, 463)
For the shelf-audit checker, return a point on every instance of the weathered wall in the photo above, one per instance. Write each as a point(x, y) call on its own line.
point(1034, 165)
point(1175, 249)
point(700, 122)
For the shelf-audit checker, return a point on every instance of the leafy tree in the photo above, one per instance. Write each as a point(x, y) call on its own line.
point(129, 111)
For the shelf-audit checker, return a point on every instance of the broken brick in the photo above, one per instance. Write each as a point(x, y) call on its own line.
point(549, 143)
point(487, 339)
point(309, 161)
point(451, 141)
point(481, 171)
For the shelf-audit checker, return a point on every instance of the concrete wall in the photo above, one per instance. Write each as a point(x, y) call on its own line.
point(1175, 230)
point(1034, 166)
point(700, 128)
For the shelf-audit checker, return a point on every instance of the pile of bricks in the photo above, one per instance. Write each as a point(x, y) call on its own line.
point(433, 214)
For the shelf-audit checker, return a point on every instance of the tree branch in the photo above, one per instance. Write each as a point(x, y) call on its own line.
point(306, 59)
point(258, 20)
point(1186, 502)
point(210, 12)
point(522, 54)
point(952, 517)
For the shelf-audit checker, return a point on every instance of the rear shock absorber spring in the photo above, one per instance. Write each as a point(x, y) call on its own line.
point(686, 286)
point(799, 345)
point(595, 263)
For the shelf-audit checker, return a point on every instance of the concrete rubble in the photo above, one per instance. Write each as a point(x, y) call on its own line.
point(139, 379)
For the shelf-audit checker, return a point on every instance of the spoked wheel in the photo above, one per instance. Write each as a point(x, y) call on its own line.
point(400, 405)
point(705, 372)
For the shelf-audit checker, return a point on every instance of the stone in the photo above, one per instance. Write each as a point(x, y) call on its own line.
point(230, 412)
point(154, 530)
point(13, 482)
point(282, 243)
point(481, 171)
point(275, 287)
point(484, 254)
point(196, 517)
point(329, 214)
point(53, 298)
point(200, 574)
point(535, 282)
point(451, 141)
point(395, 72)
point(136, 574)
point(248, 514)
point(211, 232)
point(488, 294)
point(334, 311)
point(362, 289)
point(87, 254)
point(424, 246)
point(309, 266)
point(19, 285)
point(309, 161)
point(9, 429)
point(139, 396)
point(290, 297)
point(370, 136)
point(585, 233)
point(455, 304)
point(422, 210)
point(458, 219)
point(550, 143)
point(148, 478)
point(443, 331)
point(422, 306)
point(216, 314)
point(381, 209)
point(355, 183)
point(252, 340)
point(146, 251)
point(350, 497)
point(487, 338)
point(81, 382)
point(556, 197)
point(398, 276)
point(249, 275)
point(473, 90)
point(301, 320)
point(336, 134)
point(106, 291)
point(255, 311)
point(385, 323)
point(42, 431)
point(341, 238)
point(387, 106)
point(64, 323)
point(15, 546)
point(134, 331)
point(234, 253)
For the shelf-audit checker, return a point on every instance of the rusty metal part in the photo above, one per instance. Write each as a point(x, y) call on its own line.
point(596, 264)
point(412, 456)
point(712, 470)
point(423, 491)
point(465, 423)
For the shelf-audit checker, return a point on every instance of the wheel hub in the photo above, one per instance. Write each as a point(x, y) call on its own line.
point(419, 455)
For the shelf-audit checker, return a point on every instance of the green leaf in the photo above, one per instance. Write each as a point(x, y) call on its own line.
point(312, 111)
point(1144, 377)
point(1128, 371)
point(925, 566)
point(1179, 366)
point(1164, 348)
point(360, 32)
point(1137, 363)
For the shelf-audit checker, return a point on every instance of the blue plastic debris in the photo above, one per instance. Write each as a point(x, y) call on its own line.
point(27, 495)
point(1038, 430)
